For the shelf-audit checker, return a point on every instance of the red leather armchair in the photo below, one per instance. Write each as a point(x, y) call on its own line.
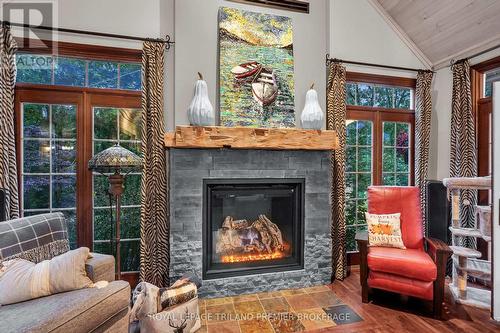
point(417, 271)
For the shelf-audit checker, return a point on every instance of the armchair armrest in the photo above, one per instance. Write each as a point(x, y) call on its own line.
point(362, 240)
point(437, 249)
point(101, 267)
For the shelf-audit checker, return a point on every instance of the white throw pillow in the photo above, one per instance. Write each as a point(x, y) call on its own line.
point(384, 230)
point(22, 280)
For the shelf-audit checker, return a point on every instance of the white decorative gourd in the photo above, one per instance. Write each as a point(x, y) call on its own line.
point(201, 111)
point(312, 116)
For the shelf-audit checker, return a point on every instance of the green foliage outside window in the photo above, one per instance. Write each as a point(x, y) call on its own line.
point(367, 94)
point(68, 71)
point(396, 154)
point(358, 176)
point(49, 161)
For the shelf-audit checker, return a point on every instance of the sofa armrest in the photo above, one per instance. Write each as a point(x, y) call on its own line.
point(101, 267)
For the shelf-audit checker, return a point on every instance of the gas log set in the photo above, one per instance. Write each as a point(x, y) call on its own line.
point(243, 241)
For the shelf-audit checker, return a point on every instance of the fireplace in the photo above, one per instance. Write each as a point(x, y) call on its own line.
point(252, 226)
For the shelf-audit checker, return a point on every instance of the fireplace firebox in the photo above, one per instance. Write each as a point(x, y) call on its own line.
point(252, 226)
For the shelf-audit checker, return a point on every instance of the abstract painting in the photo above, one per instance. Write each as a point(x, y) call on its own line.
point(256, 69)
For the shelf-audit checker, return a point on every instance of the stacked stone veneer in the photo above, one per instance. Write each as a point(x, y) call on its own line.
point(188, 168)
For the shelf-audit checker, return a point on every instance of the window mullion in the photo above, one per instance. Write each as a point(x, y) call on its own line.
point(50, 157)
point(378, 151)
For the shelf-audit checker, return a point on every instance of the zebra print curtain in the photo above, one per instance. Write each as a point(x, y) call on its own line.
point(155, 224)
point(8, 164)
point(336, 117)
point(463, 158)
point(423, 112)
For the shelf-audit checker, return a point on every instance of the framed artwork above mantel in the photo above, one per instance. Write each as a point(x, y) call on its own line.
point(256, 69)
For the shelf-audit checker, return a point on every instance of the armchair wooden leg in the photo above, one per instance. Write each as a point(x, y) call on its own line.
point(439, 252)
point(365, 293)
point(437, 305)
point(362, 240)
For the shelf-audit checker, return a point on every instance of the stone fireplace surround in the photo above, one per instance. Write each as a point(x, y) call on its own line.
point(188, 169)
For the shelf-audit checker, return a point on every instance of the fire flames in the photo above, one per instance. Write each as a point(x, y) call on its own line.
point(252, 257)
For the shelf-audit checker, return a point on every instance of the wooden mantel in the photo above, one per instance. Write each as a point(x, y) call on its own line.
point(251, 138)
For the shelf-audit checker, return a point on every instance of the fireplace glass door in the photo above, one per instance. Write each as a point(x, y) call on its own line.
point(252, 226)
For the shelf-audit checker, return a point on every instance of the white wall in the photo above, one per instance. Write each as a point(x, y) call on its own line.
point(358, 33)
point(496, 200)
point(439, 154)
point(196, 50)
point(126, 17)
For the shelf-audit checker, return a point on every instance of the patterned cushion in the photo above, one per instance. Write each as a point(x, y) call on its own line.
point(180, 292)
point(34, 238)
point(384, 230)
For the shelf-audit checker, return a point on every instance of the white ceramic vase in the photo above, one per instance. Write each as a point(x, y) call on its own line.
point(312, 116)
point(201, 111)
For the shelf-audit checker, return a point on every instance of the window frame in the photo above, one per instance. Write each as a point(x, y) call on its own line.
point(84, 98)
point(482, 111)
point(479, 102)
point(379, 115)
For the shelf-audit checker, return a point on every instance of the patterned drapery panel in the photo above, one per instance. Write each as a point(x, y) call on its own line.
point(463, 158)
point(155, 224)
point(336, 117)
point(423, 112)
point(8, 163)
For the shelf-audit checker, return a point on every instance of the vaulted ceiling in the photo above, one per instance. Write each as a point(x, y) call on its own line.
point(446, 29)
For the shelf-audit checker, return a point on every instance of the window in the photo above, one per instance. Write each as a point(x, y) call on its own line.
point(48, 170)
point(369, 94)
point(482, 77)
point(379, 141)
point(490, 77)
point(77, 72)
point(359, 173)
point(71, 107)
point(122, 126)
point(396, 153)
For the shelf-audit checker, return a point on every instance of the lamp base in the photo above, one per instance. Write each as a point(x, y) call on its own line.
point(116, 189)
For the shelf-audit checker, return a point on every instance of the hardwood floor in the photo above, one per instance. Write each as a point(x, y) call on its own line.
point(393, 313)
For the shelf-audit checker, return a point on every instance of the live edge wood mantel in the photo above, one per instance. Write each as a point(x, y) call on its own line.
point(251, 138)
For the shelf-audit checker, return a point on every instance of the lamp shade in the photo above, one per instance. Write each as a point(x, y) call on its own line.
point(115, 159)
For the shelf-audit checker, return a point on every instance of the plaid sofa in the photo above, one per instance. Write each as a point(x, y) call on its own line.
point(34, 238)
point(42, 237)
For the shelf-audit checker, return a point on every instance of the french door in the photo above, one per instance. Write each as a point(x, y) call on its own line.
point(59, 129)
point(48, 156)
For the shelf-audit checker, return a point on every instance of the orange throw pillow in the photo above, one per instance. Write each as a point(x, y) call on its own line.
point(384, 230)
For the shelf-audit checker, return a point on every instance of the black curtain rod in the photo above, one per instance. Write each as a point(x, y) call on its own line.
point(166, 41)
point(329, 60)
point(452, 61)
